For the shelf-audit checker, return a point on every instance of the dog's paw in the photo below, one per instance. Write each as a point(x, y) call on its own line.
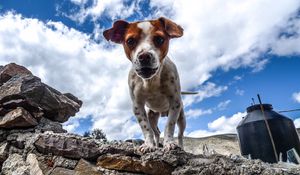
point(145, 148)
point(168, 146)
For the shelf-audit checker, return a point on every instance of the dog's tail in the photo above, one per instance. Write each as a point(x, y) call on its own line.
point(188, 93)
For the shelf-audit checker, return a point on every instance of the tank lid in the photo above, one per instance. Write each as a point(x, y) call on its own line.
point(257, 107)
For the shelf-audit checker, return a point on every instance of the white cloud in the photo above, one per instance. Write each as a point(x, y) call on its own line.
point(113, 8)
point(237, 77)
point(225, 124)
point(223, 105)
point(207, 90)
point(69, 61)
point(227, 34)
point(218, 34)
point(71, 125)
point(221, 125)
point(196, 113)
point(79, 2)
point(296, 96)
point(288, 44)
point(297, 123)
point(239, 92)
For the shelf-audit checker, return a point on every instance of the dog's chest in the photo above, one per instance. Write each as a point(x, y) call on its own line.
point(157, 102)
point(154, 97)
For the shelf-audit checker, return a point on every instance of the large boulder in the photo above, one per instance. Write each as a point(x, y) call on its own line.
point(18, 118)
point(84, 167)
point(49, 125)
point(15, 164)
point(67, 145)
point(32, 92)
point(10, 70)
point(134, 164)
point(35, 167)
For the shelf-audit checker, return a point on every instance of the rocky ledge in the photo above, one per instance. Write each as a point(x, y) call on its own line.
point(33, 142)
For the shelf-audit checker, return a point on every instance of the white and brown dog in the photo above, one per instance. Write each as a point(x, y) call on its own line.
point(153, 80)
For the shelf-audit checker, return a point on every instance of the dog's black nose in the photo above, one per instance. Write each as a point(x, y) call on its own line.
point(145, 59)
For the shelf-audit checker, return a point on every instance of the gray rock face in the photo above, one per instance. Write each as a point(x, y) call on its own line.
point(17, 118)
point(15, 164)
point(34, 165)
point(3, 152)
point(62, 171)
point(10, 70)
point(69, 146)
point(84, 167)
point(54, 105)
point(49, 125)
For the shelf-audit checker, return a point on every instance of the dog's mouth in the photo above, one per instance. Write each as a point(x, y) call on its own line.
point(146, 72)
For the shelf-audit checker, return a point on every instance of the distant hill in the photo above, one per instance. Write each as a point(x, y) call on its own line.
point(225, 144)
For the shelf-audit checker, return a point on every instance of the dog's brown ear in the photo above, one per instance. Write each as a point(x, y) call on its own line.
point(173, 30)
point(117, 32)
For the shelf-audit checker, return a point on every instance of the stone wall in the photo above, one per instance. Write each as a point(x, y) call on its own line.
point(32, 140)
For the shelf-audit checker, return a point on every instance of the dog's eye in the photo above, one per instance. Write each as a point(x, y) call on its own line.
point(158, 40)
point(131, 42)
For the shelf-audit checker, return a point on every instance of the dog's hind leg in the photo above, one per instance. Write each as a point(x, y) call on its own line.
point(153, 120)
point(181, 123)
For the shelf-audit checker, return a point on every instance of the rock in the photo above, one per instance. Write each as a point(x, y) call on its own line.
point(67, 145)
point(17, 118)
point(3, 135)
point(62, 171)
point(18, 139)
point(72, 97)
point(11, 70)
point(34, 165)
point(49, 125)
point(3, 111)
point(132, 164)
point(60, 161)
point(3, 152)
point(14, 103)
point(15, 165)
point(55, 105)
point(15, 150)
point(84, 167)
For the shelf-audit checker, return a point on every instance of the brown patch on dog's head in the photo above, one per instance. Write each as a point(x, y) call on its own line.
point(129, 34)
point(146, 43)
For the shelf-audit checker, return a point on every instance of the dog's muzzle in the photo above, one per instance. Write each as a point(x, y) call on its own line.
point(146, 69)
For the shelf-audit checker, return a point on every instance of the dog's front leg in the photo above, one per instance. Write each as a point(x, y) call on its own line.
point(174, 111)
point(140, 113)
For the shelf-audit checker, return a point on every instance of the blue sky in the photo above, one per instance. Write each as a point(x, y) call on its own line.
point(230, 52)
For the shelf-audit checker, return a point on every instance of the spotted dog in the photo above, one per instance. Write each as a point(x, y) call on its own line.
point(153, 79)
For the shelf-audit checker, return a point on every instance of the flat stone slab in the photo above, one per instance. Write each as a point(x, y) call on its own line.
point(18, 118)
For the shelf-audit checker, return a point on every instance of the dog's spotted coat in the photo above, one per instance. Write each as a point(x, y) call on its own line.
point(153, 80)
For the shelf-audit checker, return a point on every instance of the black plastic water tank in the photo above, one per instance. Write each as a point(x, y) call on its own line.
point(254, 138)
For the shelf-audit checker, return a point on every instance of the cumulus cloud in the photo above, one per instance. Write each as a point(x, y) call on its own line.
point(218, 34)
point(239, 92)
point(69, 61)
point(296, 96)
point(227, 34)
point(297, 123)
point(196, 113)
point(221, 125)
point(112, 8)
point(223, 105)
point(207, 90)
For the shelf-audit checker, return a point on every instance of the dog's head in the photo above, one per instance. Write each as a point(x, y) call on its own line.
point(146, 43)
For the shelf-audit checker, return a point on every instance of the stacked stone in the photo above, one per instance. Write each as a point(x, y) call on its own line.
point(28, 108)
point(33, 142)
